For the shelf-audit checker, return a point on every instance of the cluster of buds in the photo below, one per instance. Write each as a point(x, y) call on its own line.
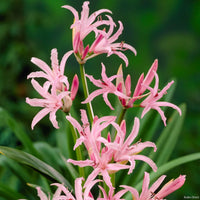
point(113, 152)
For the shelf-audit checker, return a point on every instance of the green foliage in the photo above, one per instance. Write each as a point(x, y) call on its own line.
point(167, 30)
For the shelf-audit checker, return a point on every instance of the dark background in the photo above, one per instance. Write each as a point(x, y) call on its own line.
point(167, 30)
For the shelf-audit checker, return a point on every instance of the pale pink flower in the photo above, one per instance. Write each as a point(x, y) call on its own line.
point(100, 159)
point(62, 193)
point(51, 103)
point(151, 102)
point(106, 86)
point(103, 42)
point(56, 89)
point(54, 75)
point(149, 193)
point(106, 156)
point(124, 152)
point(143, 84)
point(125, 86)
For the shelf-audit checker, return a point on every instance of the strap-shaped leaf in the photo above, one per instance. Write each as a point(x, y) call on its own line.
point(18, 130)
point(10, 194)
point(32, 161)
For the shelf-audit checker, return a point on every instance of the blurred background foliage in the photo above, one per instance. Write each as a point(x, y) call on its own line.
point(167, 30)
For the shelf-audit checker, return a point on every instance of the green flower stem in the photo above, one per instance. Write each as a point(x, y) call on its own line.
point(121, 115)
point(86, 92)
point(78, 151)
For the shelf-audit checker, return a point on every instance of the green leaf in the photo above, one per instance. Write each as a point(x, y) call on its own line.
point(32, 161)
point(10, 194)
point(18, 130)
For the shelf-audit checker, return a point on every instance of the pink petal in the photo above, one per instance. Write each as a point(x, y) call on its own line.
point(145, 186)
point(133, 133)
point(81, 163)
point(74, 123)
point(105, 97)
point(39, 116)
point(74, 88)
point(78, 188)
point(41, 194)
point(150, 75)
point(117, 34)
point(75, 13)
point(38, 74)
point(64, 60)
point(53, 120)
point(157, 184)
point(42, 65)
point(54, 59)
point(122, 56)
point(147, 160)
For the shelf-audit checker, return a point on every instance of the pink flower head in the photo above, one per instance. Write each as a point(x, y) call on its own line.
point(149, 193)
point(54, 75)
point(125, 87)
point(103, 42)
point(55, 89)
point(100, 158)
point(51, 103)
point(106, 86)
point(151, 102)
point(62, 193)
point(124, 152)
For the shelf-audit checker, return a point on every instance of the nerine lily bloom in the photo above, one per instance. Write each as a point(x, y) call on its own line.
point(151, 102)
point(54, 75)
point(62, 193)
point(143, 84)
point(103, 42)
point(106, 86)
point(125, 86)
point(100, 159)
point(51, 102)
point(124, 152)
point(150, 194)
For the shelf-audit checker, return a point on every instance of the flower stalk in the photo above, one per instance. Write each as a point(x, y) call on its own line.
point(86, 92)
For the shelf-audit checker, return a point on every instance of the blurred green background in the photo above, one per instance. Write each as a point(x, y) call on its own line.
point(167, 30)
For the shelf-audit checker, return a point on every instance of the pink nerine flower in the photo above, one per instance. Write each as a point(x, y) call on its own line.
point(56, 89)
point(143, 84)
point(106, 156)
point(106, 86)
point(100, 159)
point(51, 103)
point(149, 193)
point(62, 193)
point(124, 152)
point(138, 93)
point(103, 42)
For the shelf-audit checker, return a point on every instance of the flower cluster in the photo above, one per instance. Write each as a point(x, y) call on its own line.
point(108, 151)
